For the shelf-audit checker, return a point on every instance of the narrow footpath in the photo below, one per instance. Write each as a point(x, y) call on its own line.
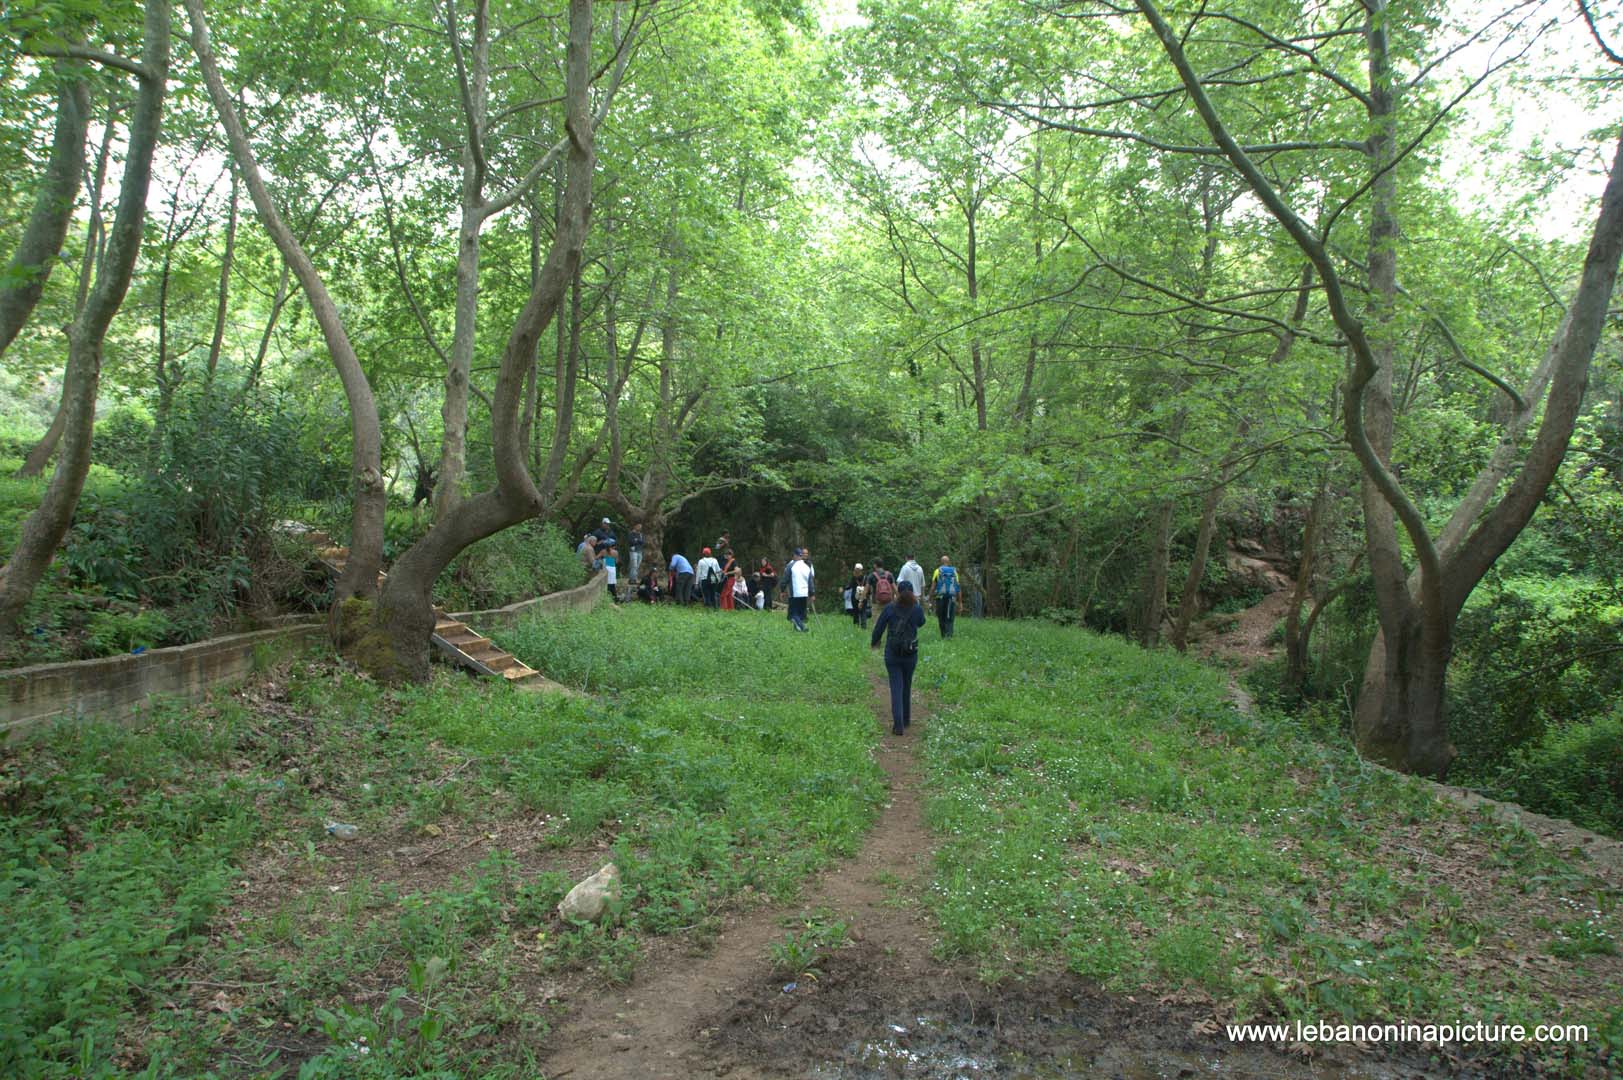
point(882, 1006)
point(681, 1021)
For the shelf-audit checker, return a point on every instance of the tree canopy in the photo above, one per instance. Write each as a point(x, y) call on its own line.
point(1082, 293)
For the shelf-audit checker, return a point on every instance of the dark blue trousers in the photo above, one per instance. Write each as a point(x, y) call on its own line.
point(900, 670)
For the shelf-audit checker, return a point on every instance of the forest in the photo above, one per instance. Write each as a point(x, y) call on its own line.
point(1152, 315)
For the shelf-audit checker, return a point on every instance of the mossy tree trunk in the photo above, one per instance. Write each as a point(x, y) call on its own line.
point(396, 645)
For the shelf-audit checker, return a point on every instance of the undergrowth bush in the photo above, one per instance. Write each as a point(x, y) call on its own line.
point(180, 544)
point(1574, 771)
point(529, 559)
point(515, 564)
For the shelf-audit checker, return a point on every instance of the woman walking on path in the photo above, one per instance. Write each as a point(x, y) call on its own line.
point(902, 617)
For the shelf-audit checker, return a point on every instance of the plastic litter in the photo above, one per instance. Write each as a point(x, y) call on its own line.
point(342, 830)
point(789, 988)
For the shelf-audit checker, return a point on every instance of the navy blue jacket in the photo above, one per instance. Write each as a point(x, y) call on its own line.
point(892, 618)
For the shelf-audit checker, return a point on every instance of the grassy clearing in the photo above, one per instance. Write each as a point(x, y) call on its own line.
point(1106, 809)
point(177, 907)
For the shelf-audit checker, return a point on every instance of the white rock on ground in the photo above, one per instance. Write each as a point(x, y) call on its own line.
point(590, 899)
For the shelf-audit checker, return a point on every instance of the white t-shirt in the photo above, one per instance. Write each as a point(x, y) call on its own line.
point(708, 568)
point(800, 578)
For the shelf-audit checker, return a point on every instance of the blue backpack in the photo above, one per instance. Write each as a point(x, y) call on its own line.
point(947, 581)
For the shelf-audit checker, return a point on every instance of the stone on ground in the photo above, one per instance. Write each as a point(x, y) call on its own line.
point(588, 901)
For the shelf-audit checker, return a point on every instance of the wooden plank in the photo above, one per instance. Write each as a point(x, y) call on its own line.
point(458, 642)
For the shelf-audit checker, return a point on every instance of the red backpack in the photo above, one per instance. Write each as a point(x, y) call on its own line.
point(884, 588)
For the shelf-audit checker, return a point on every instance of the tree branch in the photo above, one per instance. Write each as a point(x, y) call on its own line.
point(1364, 365)
point(465, 91)
point(96, 56)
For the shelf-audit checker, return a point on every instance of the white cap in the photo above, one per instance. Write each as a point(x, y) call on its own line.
point(858, 566)
point(605, 521)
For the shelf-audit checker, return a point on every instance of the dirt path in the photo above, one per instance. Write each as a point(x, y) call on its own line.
point(883, 1007)
point(670, 1022)
point(1240, 641)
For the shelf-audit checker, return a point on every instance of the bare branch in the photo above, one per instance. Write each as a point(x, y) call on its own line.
point(470, 113)
point(1595, 30)
point(1174, 148)
point(1310, 55)
point(97, 56)
point(399, 261)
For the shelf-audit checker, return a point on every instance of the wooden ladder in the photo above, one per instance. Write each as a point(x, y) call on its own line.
point(456, 641)
point(467, 647)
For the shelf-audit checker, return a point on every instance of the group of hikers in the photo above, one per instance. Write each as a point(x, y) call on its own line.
point(720, 582)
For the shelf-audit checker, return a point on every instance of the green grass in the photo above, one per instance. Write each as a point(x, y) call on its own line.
point(1106, 809)
point(149, 867)
point(175, 907)
point(19, 498)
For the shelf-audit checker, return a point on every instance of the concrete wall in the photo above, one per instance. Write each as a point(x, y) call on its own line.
point(115, 687)
point(584, 598)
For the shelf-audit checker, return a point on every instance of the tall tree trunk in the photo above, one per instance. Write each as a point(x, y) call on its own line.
point(45, 527)
point(1295, 640)
point(1399, 720)
point(34, 464)
point(360, 576)
point(1022, 404)
point(223, 295)
point(531, 378)
point(278, 302)
point(23, 280)
point(1375, 725)
point(1158, 569)
point(1189, 601)
point(1416, 741)
point(161, 375)
point(454, 413)
point(397, 647)
point(997, 603)
point(1153, 589)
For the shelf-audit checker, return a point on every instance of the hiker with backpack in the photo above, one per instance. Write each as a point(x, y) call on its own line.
point(709, 575)
point(945, 587)
point(881, 590)
point(902, 617)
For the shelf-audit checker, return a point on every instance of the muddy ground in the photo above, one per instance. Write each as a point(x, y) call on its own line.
point(882, 1006)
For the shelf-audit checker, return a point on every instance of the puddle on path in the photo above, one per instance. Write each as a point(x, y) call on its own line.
point(864, 1022)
